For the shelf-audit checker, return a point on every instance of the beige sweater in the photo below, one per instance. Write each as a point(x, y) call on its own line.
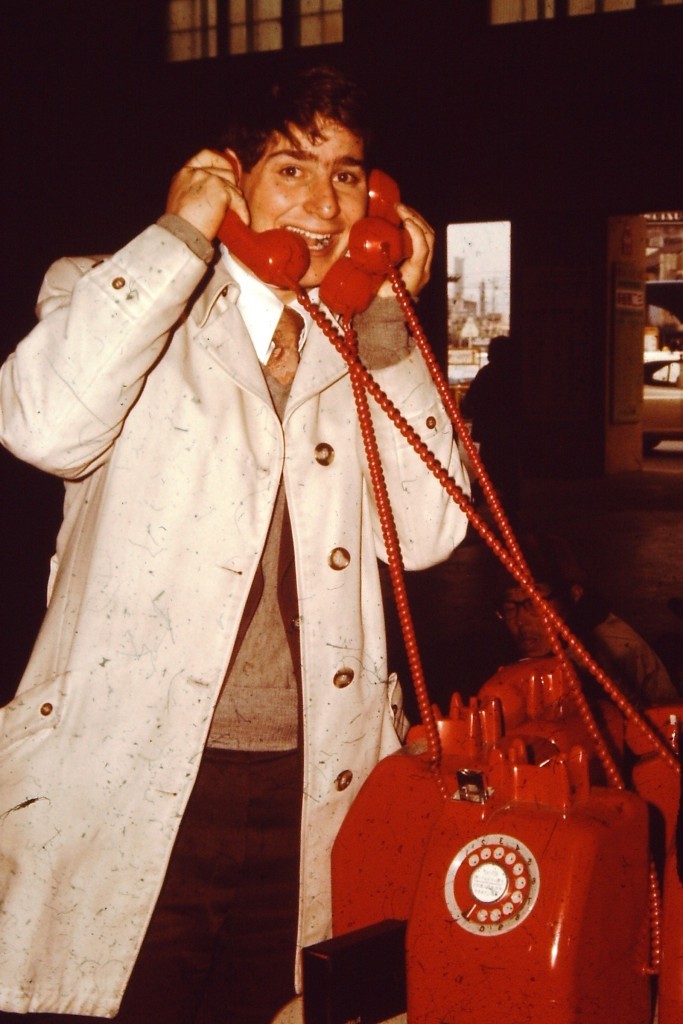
point(259, 705)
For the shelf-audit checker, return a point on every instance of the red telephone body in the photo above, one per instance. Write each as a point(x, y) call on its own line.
point(652, 781)
point(531, 906)
point(281, 258)
point(525, 893)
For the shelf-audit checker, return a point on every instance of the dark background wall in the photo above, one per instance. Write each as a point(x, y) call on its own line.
point(555, 126)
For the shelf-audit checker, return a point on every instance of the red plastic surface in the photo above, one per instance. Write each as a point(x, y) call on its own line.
point(579, 952)
point(580, 853)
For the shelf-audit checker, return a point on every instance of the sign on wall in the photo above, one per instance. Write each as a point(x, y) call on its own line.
point(628, 319)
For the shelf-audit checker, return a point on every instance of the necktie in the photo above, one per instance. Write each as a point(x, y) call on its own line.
point(284, 358)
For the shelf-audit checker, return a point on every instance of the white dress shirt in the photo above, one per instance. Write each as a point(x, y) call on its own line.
point(260, 307)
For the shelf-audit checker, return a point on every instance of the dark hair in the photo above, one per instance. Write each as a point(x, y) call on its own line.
point(301, 102)
point(501, 347)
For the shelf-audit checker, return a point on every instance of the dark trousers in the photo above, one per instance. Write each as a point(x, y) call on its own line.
point(221, 945)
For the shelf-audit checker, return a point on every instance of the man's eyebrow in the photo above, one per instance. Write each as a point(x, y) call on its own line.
point(311, 157)
point(351, 161)
point(292, 154)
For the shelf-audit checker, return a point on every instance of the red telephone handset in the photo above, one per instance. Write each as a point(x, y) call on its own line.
point(277, 256)
point(376, 243)
point(281, 258)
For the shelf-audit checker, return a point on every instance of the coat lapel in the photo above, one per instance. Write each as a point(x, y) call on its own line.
point(320, 366)
point(221, 330)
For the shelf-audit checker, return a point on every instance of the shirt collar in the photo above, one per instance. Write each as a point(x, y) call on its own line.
point(260, 307)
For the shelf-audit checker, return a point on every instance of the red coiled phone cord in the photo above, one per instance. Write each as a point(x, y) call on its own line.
point(554, 625)
point(347, 346)
point(509, 555)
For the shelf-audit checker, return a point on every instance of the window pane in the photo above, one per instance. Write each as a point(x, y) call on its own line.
point(181, 15)
point(502, 12)
point(187, 15)
point(191, 29)
point(238, 39)
point(333, 28)
point(321, 28)
point(505, 11)
point(268, 36)
point(265, 10)
point(310, 31)
point(538, 9)
point(252, 25)
point(237, 32)
point(478, 259)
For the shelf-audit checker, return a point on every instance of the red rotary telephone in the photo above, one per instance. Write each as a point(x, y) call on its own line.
point(281, 258)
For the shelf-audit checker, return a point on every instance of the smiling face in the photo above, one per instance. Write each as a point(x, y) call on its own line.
point(314, 187)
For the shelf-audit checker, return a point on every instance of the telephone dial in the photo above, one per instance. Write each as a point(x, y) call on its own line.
point(281, 258)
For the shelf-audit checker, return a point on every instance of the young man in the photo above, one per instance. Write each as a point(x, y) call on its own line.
point(209, 688)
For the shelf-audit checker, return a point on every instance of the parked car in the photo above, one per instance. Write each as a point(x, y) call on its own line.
point(662, 398)
point(667, 295)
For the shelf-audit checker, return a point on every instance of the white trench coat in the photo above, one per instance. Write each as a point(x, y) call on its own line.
point(161, 425)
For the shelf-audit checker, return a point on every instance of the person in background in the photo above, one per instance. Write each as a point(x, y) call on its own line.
point(209, 688)
point(492, 402)
point(618, 649)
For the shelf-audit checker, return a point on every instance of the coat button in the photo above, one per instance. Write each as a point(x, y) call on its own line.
point(118, 282)
point(339, 558)
point(343, 677)
point(343, 780)
point(431, 422)
point(46, 709)
point(324, 454)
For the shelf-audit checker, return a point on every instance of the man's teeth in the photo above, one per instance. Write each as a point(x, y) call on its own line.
point(313, 239)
